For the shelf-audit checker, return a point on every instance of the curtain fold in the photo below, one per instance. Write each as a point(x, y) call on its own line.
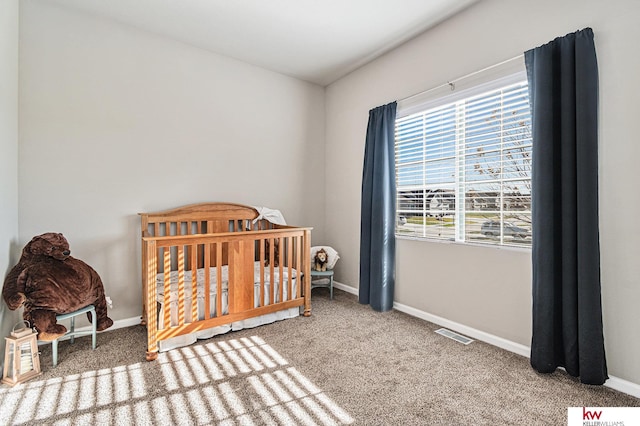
point(378, 211)
point(567, 312)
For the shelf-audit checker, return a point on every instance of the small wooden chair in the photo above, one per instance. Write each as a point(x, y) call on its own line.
point(72, 333)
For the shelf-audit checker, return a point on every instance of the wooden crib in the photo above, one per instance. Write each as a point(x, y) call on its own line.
point(255, 268)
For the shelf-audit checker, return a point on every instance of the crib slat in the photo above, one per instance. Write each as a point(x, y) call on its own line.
point(209, 230)
point(156, 230)
point(207, 280)
point(194, 282)
point(180, 285)
point(290, 272)
point(219, 280)
point(272, 284)
point(166, 320)
point(189, 248)
point(281, 267)
point(299, 267)
point(261, 244)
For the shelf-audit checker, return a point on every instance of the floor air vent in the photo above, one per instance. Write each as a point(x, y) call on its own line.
point(455, 336)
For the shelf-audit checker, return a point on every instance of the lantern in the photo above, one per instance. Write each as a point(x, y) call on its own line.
point(21, 358)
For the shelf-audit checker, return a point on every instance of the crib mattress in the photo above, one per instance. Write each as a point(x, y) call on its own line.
point(184, 340)
point(213, 289)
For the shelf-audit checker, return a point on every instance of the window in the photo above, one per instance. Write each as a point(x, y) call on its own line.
point(463, 167)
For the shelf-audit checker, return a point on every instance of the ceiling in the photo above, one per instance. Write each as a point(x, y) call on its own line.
point(314, 40)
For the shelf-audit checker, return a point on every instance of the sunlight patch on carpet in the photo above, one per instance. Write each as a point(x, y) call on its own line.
point(233, 381)
point(275, 390)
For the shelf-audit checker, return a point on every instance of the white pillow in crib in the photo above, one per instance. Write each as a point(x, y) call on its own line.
point(332, 255)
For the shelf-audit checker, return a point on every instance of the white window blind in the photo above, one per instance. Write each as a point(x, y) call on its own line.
point(463, 169)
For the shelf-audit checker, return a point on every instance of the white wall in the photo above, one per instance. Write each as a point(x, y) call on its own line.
point(485, 288)
point(9, 156)
point(116, 121)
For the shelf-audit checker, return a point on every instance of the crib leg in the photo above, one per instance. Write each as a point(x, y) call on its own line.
point(307, 300)
point(151, 356)
point(307, 308)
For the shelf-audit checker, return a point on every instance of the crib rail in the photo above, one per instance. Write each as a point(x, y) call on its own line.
point(279, 252)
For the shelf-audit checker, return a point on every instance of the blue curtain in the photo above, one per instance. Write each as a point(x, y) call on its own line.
point(378, 212)
point(567, 312)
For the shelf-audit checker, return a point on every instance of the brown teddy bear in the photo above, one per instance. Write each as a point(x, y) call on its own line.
point(48, 281)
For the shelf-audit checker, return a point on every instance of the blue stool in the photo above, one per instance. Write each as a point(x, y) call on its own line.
point(71, 333)
point(317, 275)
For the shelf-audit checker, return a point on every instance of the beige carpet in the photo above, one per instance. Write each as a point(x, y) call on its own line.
point(346, 364)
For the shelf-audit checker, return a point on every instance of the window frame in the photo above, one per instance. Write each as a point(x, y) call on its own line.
point(482, 83)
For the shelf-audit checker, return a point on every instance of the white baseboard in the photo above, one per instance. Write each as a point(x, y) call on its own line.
point(616, 383)
point(465, 330)
point(127, 322)
point(623, 385)
point(345, 287)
